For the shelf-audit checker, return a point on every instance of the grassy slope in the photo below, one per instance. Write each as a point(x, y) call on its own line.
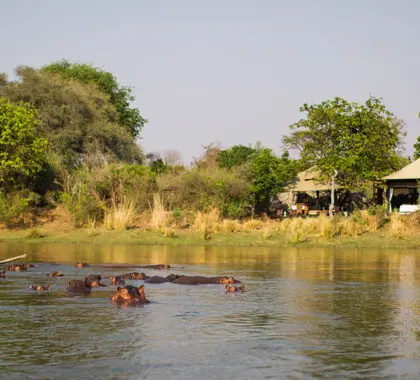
point(187, 237)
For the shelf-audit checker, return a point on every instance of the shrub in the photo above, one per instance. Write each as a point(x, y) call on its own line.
point(16, 208)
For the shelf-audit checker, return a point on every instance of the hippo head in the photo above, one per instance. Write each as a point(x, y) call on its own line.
point(125, 294)
point(227, 280)
point(117, 280)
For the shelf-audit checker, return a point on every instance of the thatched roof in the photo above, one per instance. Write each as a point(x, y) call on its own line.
point(411, 171)
point(308, 181)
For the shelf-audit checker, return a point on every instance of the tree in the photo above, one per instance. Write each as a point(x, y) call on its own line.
point(269, 175)
point(22, 151)
point(80, 123)
point(417, 147)
point(235, 156)
point(360, 141)
point(119, 96)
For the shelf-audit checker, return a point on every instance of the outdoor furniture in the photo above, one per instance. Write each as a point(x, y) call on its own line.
point(408, 209)
point(301, 209)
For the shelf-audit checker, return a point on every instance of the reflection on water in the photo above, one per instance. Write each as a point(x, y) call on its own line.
point(307, 313)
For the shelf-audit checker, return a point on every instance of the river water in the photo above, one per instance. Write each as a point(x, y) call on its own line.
point(306, 314)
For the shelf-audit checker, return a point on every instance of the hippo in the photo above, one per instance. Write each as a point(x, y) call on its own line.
point(55, 274)
point(81, 265)
point(95, 280)
point(117, 280)
point(172, 277)
point(135, 276)
point(233, 288)
point(3, 274)
point(40, 287)
point(94, 277)
point(156, 266)
point(130, 295)
point(96, 284)
point(199, 280)
point(17, 267)
point(156, 280)
point(79, 286)
point(21, 267)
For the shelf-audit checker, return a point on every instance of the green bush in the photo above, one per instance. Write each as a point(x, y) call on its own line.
point(15, 208)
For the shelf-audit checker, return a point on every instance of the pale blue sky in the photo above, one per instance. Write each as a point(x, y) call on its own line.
point(232, 71)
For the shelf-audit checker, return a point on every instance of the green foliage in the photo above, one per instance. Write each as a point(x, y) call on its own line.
point(34, 233)
point(22, 151)
point(269, 175)
point(178, 217)
point(203, 189)
point(77, 119)
point(119, 96)
point(16, 207)
point(417, 149)
point(79, 200)
point(360, 141)
point(156, 163)
point(116, 183)
point(235, 156)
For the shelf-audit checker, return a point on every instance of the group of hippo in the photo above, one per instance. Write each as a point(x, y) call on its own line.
point(128, 294)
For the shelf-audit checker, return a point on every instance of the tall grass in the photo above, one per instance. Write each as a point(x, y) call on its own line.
point(120, 216)
point(253, 224)
point(206, 222)
point(402, 225)
point(159, 214)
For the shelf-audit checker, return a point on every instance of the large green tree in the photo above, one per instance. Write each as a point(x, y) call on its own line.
point(268, 175)
point(120, 96)
point(235, 156)
point(22, 150)
point(360, 141)
point(77, 118)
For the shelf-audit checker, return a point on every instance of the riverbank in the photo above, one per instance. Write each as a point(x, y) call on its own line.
point(378, 239)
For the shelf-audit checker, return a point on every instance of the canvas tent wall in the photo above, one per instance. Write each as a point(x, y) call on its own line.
point(406, 178)
point(306, 182)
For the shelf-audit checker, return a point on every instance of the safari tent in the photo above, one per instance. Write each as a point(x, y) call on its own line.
point(403, 185)
point(308, 186)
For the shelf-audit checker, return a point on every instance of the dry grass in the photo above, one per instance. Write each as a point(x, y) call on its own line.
point(159, 215)
point(207, 222)
point(208, 219)
point(253, 225)
point(403, 225)
point(228, 225)
point(168, 232)
point(120, 216)
point(60, 218)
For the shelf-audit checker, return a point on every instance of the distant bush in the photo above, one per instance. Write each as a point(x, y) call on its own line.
point(16, 208)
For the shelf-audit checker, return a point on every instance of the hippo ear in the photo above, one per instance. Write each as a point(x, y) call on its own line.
point(141, 291)
point(119, 290)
